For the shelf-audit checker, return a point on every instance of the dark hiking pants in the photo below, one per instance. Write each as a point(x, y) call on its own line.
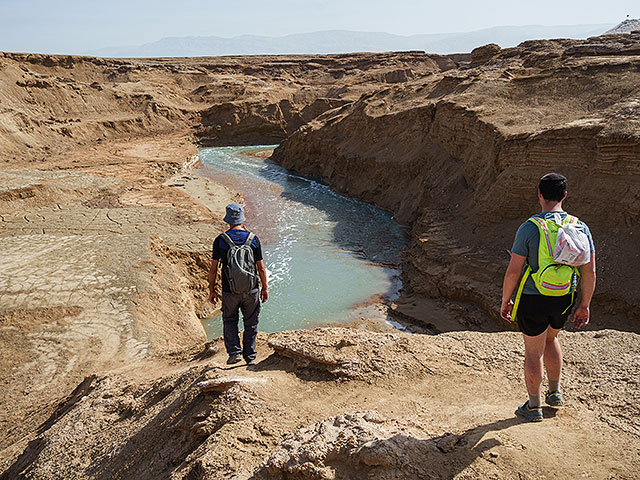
point(249, 303)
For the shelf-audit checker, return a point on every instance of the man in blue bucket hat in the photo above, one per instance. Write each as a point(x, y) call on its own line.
point(240, 253)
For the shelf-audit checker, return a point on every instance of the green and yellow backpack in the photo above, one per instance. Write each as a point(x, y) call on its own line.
point(552, 278)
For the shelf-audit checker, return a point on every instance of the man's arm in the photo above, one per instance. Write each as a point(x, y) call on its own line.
point(262, 273)
point(588, 286)
point(213, 276)
point(511, 277)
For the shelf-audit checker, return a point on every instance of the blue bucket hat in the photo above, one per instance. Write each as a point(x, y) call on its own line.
point(235, 214)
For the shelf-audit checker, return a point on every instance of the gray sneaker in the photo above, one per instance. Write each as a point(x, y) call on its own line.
point(554, 399)
point(533, 414)
point(234, 359)
point(253, 361)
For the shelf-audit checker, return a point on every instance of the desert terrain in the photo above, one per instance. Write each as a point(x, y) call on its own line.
point(105, 233)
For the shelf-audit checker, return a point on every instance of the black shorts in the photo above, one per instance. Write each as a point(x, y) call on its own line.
point(536, 312)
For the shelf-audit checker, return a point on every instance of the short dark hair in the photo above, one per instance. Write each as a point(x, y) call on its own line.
point(553, 187)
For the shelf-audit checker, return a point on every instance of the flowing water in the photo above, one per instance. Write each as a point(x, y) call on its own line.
point(327, 255)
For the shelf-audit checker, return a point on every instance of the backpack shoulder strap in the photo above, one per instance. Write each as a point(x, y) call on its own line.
point(541, 223)
point(227, 239)
point(538, 221)
point(250, 238)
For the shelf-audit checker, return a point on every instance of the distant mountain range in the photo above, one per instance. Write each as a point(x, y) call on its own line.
point(343, 41)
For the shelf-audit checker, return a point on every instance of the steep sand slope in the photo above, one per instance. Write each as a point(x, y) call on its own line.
point(458, 155)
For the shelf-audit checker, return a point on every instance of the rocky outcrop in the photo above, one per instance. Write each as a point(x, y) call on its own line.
point(356, 442)
point(458, 154)
point(364, 445)
point(627, 26)
point(483, 54)
point(347, 353)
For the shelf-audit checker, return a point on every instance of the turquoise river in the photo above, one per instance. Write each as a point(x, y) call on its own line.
point(327, 256)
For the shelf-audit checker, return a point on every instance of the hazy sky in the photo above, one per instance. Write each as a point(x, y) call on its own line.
point(76, 26)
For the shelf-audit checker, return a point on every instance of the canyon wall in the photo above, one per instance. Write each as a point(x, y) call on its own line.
point(453, 145)
point(49, 103)
point(458, 154)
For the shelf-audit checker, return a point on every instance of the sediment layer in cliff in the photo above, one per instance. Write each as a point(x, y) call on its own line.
point(458, 154)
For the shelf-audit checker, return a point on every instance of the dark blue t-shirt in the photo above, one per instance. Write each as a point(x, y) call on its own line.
point(526, 244)
point(220, 249)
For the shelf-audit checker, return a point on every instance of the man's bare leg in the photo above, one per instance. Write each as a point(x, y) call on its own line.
point(553, 359)
point(533, 369)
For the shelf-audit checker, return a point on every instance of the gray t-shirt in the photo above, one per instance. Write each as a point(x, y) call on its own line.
point(526, 244)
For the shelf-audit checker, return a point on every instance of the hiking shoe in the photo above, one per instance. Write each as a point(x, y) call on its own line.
point(253, 361)
point(553, 399)
point(234, 359)
point(533, 414)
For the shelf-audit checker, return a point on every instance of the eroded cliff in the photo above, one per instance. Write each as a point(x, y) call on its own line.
point(52, 103)
point(458, 154)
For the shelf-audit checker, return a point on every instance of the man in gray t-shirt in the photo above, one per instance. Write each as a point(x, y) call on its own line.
point(541, 317)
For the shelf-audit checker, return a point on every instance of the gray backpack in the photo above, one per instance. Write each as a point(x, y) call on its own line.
point(241, 266)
